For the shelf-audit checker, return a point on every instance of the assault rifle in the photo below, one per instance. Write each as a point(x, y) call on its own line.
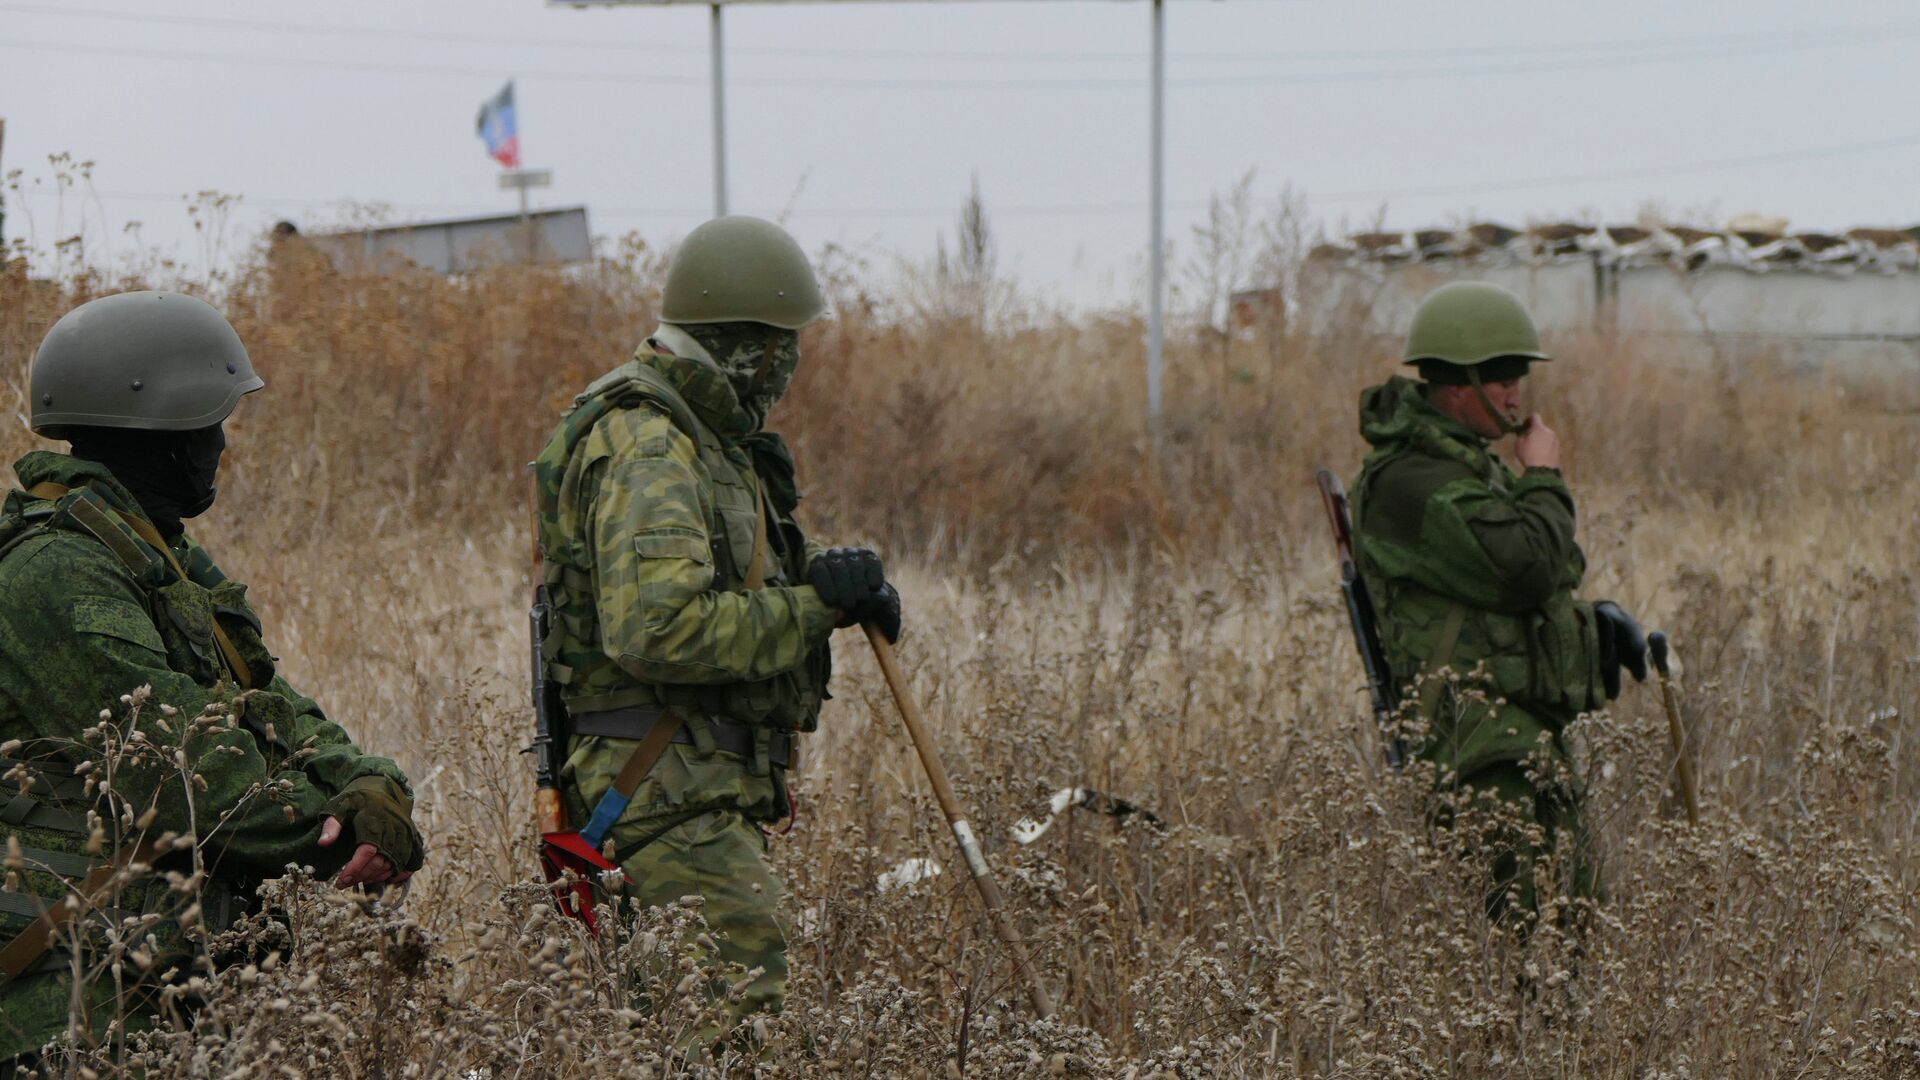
point(1366, 635)
point(572, 863)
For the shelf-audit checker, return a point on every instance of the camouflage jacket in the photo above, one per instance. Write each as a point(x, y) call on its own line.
point(651, 493)
point(1470, 564)
point(83, 623)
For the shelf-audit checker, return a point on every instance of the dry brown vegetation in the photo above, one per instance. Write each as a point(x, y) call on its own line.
point(1083, 611)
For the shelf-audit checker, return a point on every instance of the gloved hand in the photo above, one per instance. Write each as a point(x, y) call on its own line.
point(847, 579)
point(1622, 645)
point(378, 811)
point(883, 611)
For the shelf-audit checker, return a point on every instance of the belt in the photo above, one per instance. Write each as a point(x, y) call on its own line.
point(635, 721)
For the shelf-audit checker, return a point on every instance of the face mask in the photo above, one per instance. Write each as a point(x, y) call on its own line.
point(170, 473)
point(758, 361)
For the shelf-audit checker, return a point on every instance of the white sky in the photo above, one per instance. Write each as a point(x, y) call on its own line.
point(863, 123)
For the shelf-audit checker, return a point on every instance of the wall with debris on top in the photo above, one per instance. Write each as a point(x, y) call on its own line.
point(1848, 303)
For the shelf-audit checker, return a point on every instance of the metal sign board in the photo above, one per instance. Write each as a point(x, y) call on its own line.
point(525, 178)
point(462, 244)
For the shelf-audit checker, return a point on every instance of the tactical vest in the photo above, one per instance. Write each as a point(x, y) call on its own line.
point(209, 633)
point(593, 681)
point(1546, 658)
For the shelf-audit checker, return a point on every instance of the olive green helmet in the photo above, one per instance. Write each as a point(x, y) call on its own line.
point(156, 360)
point(1468, 323)
point(741, 269)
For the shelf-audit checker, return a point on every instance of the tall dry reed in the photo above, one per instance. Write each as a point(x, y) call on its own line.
point(1085, 611)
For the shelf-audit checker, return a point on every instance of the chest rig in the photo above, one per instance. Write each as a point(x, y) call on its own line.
point(753, 540)
point(208, 633)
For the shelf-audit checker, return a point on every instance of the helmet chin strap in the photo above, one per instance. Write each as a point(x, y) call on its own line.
point(1507, 426)
point(765, 369)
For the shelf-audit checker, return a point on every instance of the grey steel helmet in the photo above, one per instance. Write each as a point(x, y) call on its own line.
point(160, 361)
point(741, 269)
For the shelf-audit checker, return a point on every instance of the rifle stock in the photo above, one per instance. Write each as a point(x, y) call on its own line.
point(549, 809)
point(1360, 615)
point(550, 812)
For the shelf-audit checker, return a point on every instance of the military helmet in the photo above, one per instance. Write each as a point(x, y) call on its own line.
point(161, 361)
point(741, 269)
point(1468, 323)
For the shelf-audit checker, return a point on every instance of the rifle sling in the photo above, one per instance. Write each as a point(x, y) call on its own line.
point(20, 954)
point(646, 755)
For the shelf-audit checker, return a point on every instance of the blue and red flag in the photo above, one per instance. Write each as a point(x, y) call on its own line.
point(499, 127)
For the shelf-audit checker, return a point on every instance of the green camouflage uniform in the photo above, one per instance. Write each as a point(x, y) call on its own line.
point(1473, 568)
point(83, 622)
point(649, 525)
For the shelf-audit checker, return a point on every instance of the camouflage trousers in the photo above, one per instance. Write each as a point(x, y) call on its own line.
point(1527, 802)
point(719, 856)
point(1526, 825)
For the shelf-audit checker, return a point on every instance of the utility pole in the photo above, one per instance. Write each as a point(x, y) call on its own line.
point(719, 113)
point(1157, 256)
point(1157, 214)
point(3, 194)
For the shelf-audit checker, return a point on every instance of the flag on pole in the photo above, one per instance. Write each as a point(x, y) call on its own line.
point(499, 127)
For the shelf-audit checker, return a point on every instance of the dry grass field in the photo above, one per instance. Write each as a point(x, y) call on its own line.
point(1082, 611)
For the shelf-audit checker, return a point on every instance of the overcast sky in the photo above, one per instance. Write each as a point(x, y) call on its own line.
point(863, 123)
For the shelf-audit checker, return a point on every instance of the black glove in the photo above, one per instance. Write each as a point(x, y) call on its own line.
point(847, 579)
point(1622, 645)
point(882, 610)
point(378, 811)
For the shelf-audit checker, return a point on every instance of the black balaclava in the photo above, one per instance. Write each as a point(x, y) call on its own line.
point(758, 361)
point(170, 473)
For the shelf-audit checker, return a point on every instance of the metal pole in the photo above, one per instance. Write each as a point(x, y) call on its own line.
point(1156, 327)
point(719, 118)
point(526, 230)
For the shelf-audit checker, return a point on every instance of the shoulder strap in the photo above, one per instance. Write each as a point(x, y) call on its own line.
point(757, 572)
point(99, 521)
point(18, 955)
point(1442, 656)
point(647, 383)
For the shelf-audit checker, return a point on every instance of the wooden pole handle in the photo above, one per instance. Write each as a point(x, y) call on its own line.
point(962, 831)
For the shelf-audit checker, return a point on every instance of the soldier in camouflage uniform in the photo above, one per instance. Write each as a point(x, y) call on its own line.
point(1473, 568)
point(102, 592)
point(685, 593)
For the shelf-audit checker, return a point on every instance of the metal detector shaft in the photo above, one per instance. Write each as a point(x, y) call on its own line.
point(962, 832)
point(1676, 731)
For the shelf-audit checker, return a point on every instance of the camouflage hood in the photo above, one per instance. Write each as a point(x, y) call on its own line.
point(44, 466)
point(1396, 413)
point(755, 363)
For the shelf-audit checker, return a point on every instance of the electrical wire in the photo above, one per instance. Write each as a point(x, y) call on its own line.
point(1371, 75)
point(1114, 208)
point(1802, 38)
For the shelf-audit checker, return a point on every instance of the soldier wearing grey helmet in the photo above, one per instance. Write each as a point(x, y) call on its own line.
point(691, 613)
point(102, 591)
point(1473, 567)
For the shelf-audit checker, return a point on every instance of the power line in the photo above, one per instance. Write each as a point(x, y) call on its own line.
point(1797, 38)
point(1114, 208)
point(575, 75)
point(1647, 172)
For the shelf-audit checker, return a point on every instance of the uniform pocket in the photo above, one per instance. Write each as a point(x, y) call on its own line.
point(673, 544)
point(743, 532)
point(188, 631)
point(116, 618)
